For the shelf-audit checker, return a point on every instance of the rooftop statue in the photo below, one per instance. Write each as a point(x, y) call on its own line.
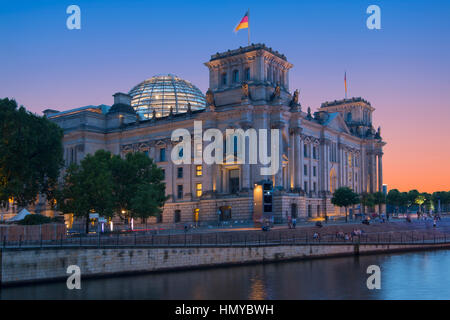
point(309, 116)
point(245, 92)
point(295, 96)
point(209, 97)
point(276, 92)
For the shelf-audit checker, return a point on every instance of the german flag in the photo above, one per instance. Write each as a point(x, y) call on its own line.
point(243, 24)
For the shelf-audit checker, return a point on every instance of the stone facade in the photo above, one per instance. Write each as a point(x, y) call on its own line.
point(249, 89)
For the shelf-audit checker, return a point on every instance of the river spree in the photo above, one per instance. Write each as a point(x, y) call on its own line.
point(416, 275)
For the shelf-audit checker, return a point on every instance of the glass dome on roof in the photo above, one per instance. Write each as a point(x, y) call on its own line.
point(162, 92)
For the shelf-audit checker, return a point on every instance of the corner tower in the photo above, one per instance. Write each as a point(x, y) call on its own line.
point(257, 65)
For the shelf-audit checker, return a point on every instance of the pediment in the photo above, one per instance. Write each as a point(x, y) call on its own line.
point(336, 122)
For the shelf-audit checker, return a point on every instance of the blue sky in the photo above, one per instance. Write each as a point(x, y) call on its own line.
point(402, 69)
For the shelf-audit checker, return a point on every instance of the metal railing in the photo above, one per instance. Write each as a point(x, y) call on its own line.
point(224, 239)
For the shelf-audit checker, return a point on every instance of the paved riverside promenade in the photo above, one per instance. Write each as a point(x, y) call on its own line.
point(396, 230)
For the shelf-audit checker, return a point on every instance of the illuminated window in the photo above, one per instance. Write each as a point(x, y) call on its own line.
point(196, 214)
point(199, 190)
point(198, 171)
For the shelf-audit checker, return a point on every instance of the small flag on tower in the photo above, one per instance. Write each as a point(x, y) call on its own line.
point(243, 24)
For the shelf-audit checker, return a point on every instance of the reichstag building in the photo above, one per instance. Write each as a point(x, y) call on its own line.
point(248, 88)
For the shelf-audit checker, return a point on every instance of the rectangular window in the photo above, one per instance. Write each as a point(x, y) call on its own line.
point(180, 191)
point(314, 153)
point(235, 76)
point(224, 79)
point(198, 189)
point(179, 172)
point(314, 171)
point(305, 170)
point(162, 154)
point(247, 74)
point(198, 171)
point(306, 187)
point(314, 187)
point(305, 151)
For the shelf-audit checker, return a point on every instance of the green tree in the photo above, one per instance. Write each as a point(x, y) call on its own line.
point(345, 197)
point(412, 195)
point(108, 184)
point(379, 199)
point(31, 155)
point(138, 188)
point(404, 201)
point(394, 198)
point(88, 188)
point(441, 197)
point(367, 200)
point(420, 199)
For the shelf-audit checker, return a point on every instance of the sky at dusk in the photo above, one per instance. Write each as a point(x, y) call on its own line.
point(402, 69)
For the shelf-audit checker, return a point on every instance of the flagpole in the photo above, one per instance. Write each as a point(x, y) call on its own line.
point(248, 29)
point(345, 84)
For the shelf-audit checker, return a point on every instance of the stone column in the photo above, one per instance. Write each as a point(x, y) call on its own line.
point(298, 159)
point(310, 173)
point(380, 172)
point(246, 165)
point(278, 177)
point(326, 173)
point(291, 171)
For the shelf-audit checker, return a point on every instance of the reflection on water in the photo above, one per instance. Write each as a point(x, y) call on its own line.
point(419, 275)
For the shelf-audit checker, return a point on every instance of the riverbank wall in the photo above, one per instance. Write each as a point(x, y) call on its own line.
point(27, 265)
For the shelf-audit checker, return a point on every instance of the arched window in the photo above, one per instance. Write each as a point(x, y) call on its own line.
point(235, 76)
point(333, 180)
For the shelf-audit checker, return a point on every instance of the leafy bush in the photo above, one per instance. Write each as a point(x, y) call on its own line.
point(33, 219)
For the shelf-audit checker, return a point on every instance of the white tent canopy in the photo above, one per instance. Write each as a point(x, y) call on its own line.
point(20, 216)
